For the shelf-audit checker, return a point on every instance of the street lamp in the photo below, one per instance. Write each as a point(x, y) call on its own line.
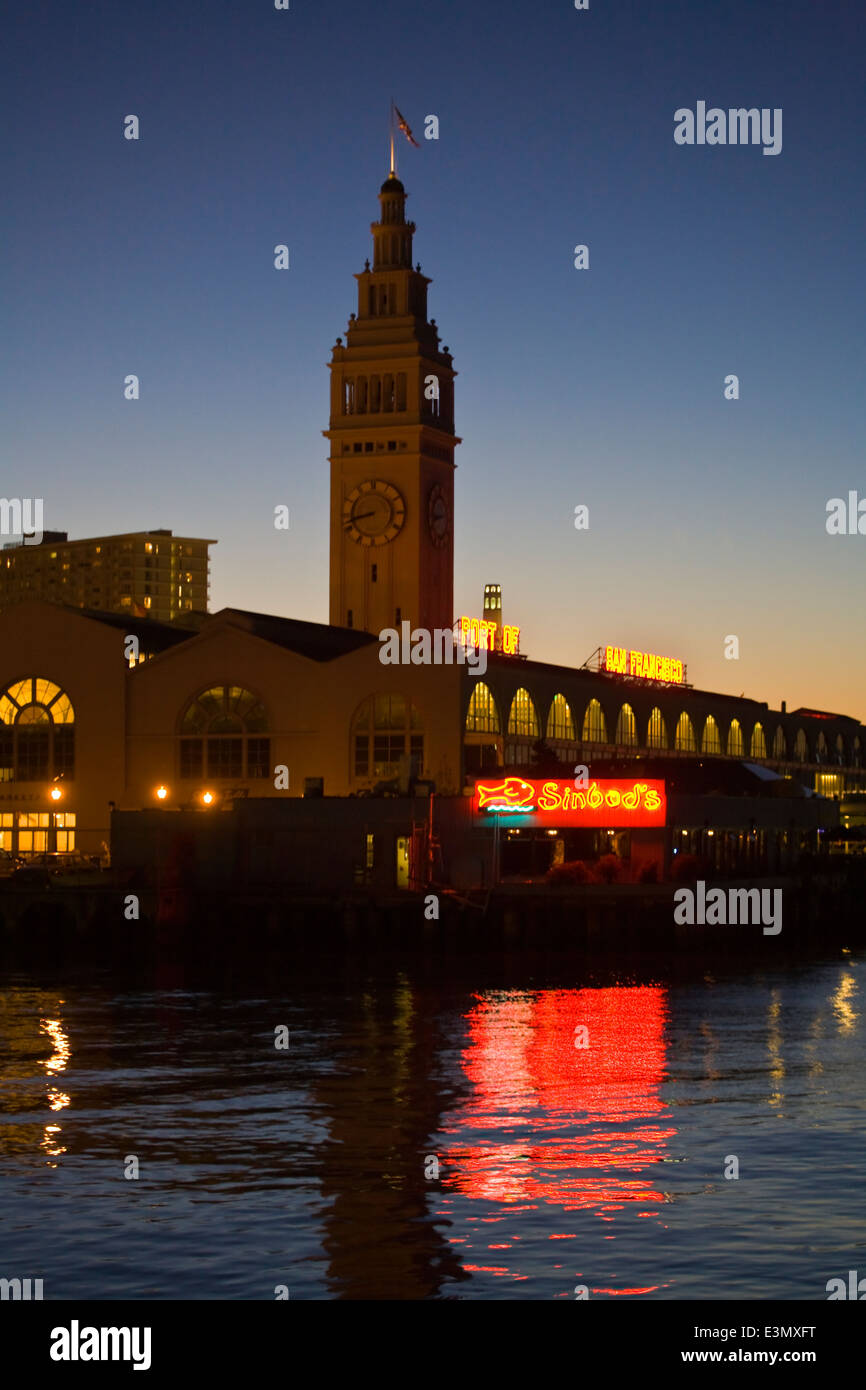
point(161, 793)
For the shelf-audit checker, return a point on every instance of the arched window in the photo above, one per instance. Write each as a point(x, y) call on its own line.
point(626, 728)
point(657, 734)
point(388, 391)
point(401, 390)
point(735, 740)
point(223, 733)
point(482, 716)
point(362, 395)
point(37, 732)
point(375, 393)
point(821, 748)
point(758, 747)
point(711, 743)
point(801, 747)
point(780, 744)
point(559, 721)
point(387, 737)
point(840, 750)
point(594, 724)
point(685, 735)
point(522, 718)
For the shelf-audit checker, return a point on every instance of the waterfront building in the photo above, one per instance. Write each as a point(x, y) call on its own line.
point(105, 705)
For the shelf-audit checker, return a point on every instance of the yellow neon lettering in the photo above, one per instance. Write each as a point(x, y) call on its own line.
point(548, 799)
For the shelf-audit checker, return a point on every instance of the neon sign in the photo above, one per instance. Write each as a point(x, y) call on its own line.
point(607, 803)
point(645, 666)
point(484, 635)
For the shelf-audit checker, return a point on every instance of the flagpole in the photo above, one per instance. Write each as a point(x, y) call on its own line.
point(391, 128)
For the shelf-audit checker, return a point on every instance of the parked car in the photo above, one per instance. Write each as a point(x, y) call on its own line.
point(9, 862)
point(41, 870)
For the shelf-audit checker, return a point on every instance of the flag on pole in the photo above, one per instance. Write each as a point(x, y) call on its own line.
point(403, 124)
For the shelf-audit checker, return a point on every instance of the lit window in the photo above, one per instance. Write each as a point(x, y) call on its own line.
point(594, 724)
point(711, 742)
point(482, 717)
point(522, 718)
point(560, 724)
point(657, 734)
point(780, 745)
point(735, 740)
point(685, 735)
point(758, 748)
point(37, 736)
point(626, 728)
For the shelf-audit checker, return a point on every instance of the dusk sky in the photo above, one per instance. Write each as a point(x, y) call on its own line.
point(602, 387)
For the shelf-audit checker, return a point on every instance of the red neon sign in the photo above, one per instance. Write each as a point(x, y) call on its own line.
point(485, 635)
point(645, 666)
point(607, 803)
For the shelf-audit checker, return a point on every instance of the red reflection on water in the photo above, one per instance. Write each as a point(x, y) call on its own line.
point(584, 1119)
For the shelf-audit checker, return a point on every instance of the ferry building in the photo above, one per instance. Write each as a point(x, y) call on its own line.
point(214, 709)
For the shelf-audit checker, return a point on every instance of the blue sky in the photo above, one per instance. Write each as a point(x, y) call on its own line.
point(602, 387)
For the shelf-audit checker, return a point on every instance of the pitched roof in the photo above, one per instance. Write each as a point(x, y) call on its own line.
point(316, 641)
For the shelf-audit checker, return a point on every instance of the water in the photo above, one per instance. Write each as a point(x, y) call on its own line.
point(314, 1167)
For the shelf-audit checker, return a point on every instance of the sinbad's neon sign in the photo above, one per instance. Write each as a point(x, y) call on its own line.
point(644, 665)
point(622, 802)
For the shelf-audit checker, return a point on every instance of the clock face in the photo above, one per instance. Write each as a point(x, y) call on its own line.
point(438, 517)
point(373, 513)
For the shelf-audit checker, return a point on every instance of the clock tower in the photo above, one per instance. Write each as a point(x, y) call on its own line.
point(392, 444)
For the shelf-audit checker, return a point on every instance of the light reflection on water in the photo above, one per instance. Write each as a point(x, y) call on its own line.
point(581, 1134)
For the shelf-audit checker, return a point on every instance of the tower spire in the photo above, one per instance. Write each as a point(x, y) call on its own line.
point(392, 442)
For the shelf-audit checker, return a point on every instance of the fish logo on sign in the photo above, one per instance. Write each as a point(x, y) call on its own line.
point(512, 794)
